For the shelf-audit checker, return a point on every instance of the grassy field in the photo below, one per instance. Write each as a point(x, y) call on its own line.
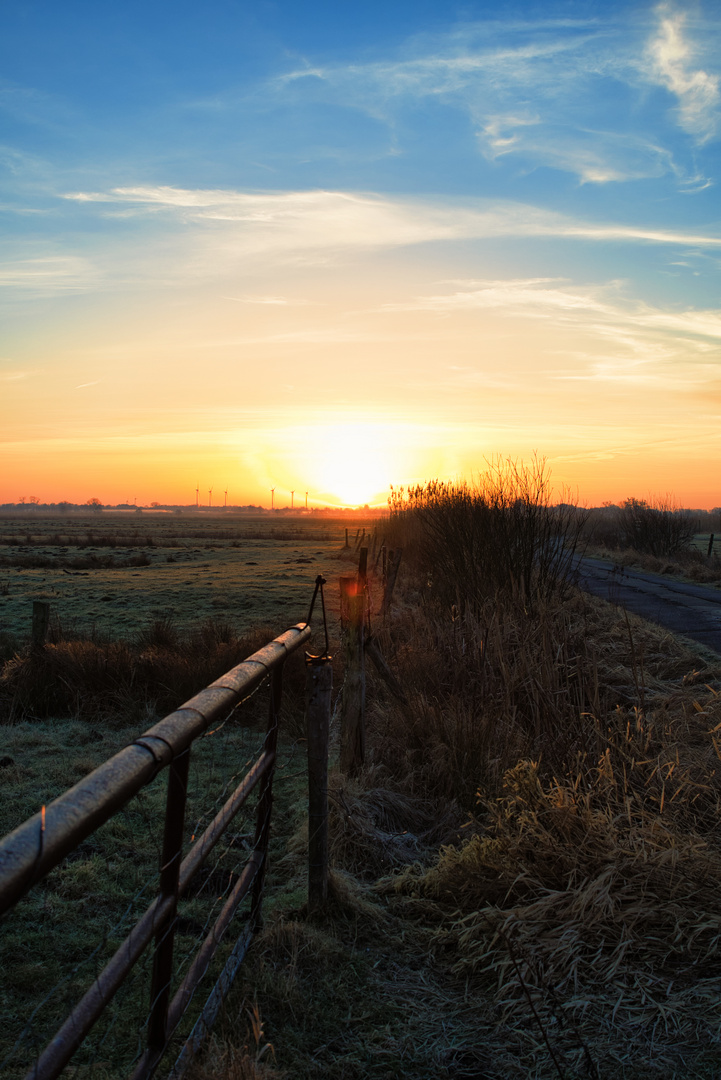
point(55, 941)
point(526, 873)
point(111, 574)
point(142, 616)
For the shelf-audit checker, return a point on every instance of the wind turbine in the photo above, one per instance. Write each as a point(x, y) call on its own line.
point(225, 504)
point(210, 492)
point(272, 498)
point(306, 500)
point(197, 495)
point(291, 499)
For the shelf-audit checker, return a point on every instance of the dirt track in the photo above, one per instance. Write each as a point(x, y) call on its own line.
point(691, 610)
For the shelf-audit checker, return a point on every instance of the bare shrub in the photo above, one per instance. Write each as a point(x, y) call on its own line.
point(500, 535)
point(657, 528)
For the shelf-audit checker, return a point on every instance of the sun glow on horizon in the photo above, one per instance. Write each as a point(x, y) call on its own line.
point(352, 463)
point(382, 274)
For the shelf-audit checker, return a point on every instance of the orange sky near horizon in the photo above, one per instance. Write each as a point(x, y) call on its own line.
point(329, 386)
point(331, 249)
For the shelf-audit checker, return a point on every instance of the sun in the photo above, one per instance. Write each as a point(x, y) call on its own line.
point(357, 465)
point(353, 463)
point(350, 463)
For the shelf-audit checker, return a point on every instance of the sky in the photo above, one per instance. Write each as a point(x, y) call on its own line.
point(330, 247)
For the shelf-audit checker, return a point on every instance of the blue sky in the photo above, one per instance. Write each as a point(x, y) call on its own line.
point(463, 230)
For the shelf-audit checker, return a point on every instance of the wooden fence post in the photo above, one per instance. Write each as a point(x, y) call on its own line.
point(394, 562)
point(318, 686)
point(363, 569)
point(41, 621)
point(352, 719)
point(710, 546)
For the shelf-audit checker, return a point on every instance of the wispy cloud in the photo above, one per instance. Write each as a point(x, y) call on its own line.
point(269, 301)
point(277, 222)
point(673, 61)
point(535, 298)
point(14, 376)
point(49, 275)
point(629, 342)
point(540, 91)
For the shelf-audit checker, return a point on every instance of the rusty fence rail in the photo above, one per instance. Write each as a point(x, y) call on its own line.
point(32, 850)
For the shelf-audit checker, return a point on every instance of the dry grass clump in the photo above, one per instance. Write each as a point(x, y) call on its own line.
point(691, 564)
point(581, 904)
point(373, 829)
point(253, 1059)
point(97, 679)
point(590, 890)
point(583, 912)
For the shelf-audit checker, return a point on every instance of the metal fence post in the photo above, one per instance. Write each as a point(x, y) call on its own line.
point(318, 686)
point(165, 938)
point(265, 798)
point(352, 721)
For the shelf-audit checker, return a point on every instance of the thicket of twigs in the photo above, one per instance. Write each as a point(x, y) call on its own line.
point(501, 534)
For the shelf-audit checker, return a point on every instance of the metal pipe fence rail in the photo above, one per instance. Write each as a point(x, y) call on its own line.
point(32, 850)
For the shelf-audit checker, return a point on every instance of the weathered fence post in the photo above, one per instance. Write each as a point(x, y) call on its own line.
point(363, 569)
point(265, 797)
point(352, 719)
point(165, 935)
point(394, 561)
point(318, 686)
point(710, 546)
point(346, 538)
point(41, 622)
